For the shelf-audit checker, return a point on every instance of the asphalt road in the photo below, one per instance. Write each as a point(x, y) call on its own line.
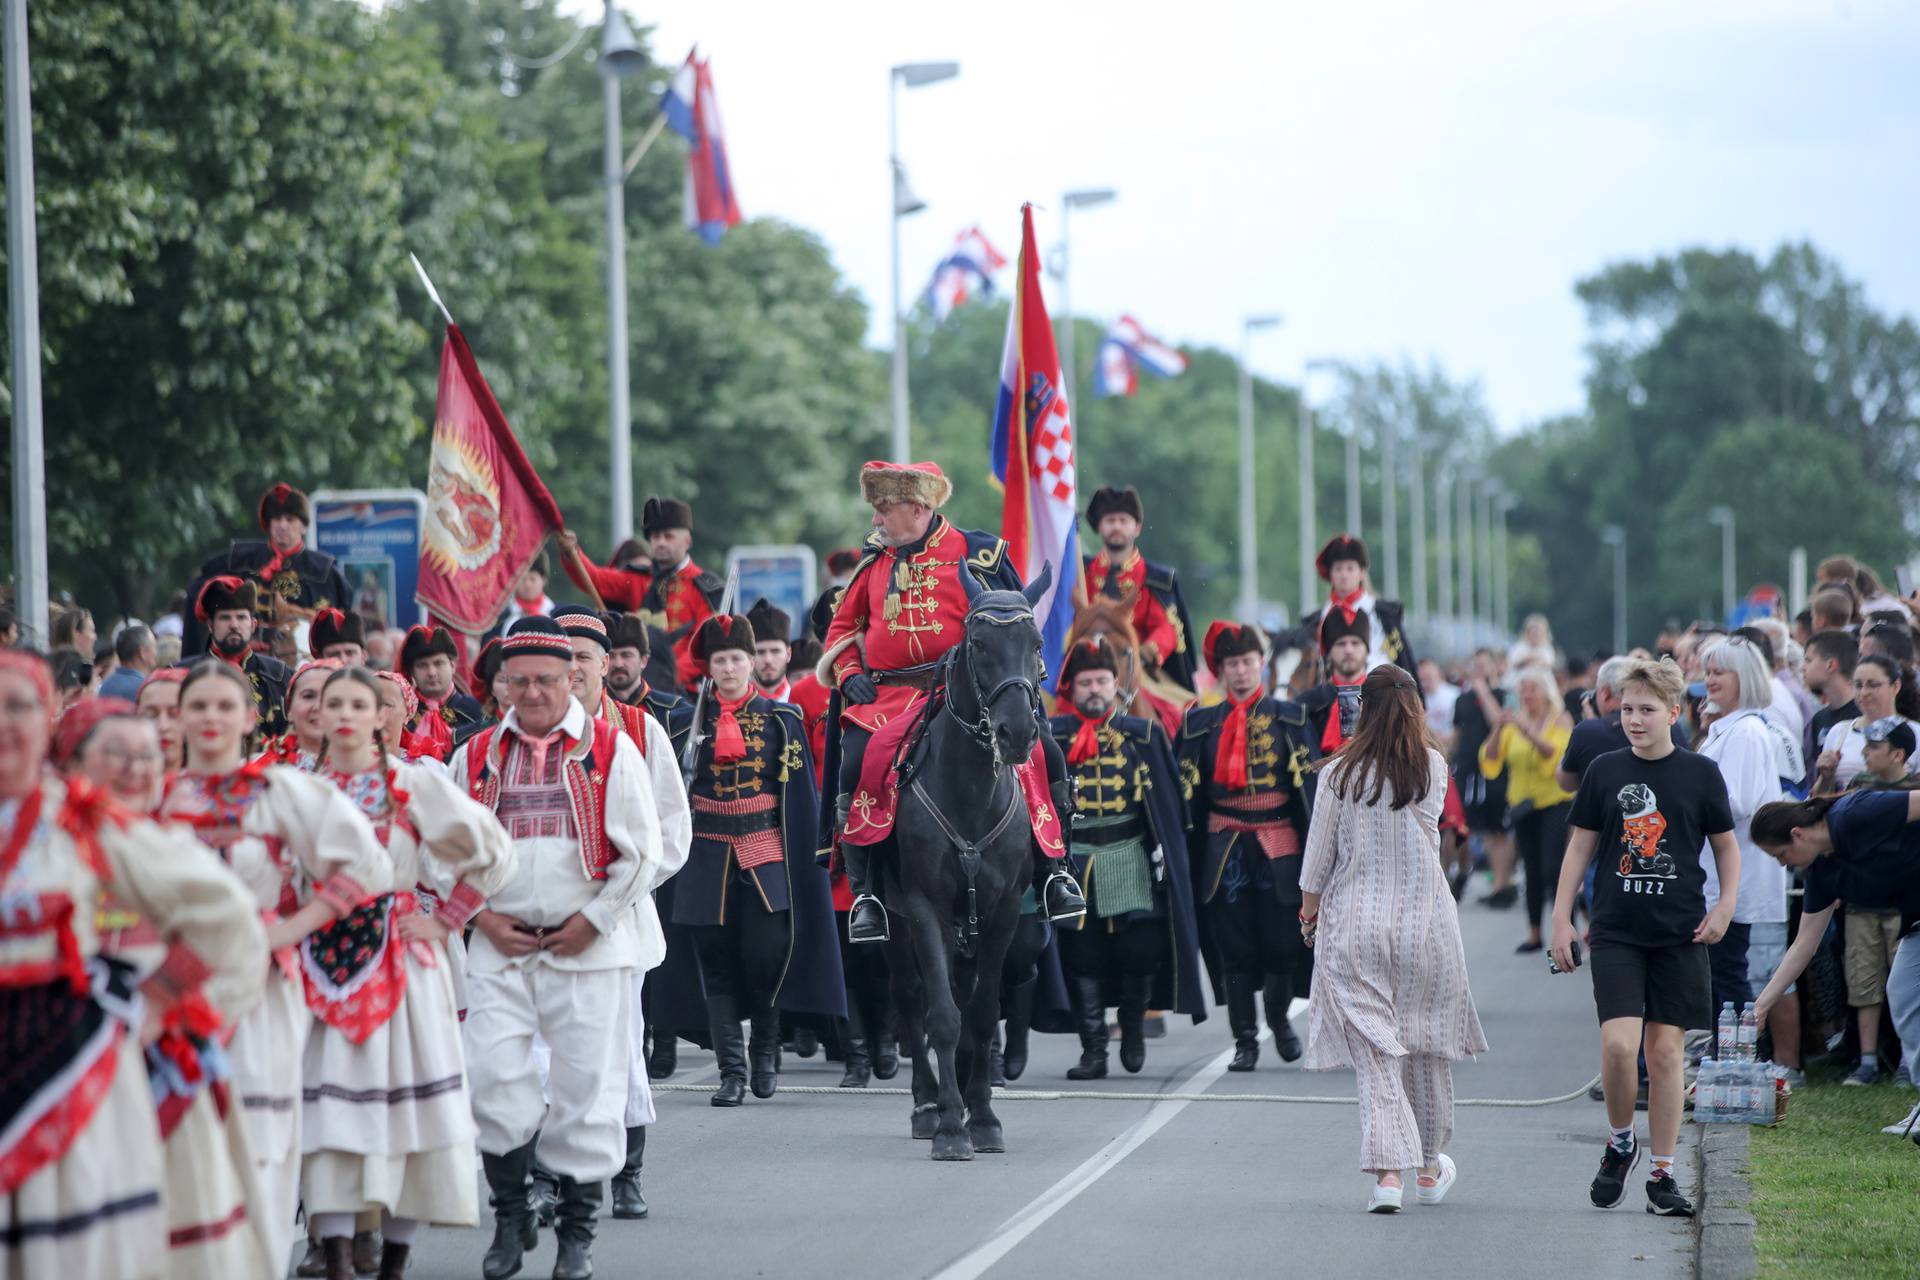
point(832, 1186)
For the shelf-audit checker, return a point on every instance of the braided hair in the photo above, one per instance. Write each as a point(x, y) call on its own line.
point(372, 683)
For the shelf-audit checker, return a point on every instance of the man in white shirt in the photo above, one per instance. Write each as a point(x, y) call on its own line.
point(1439, 697)
point(554, 953)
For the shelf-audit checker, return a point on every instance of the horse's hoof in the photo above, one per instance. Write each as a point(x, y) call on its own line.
point(926, 1123)
point(952, 1146)
point(988, 1139)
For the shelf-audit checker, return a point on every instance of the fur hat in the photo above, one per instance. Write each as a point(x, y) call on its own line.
point(331, 627)
point(1230, 640)
point(536, 635)
point(1341, 546)
point(426, 641)
point(578, 620)
point(921, 482)
point(222, 594)
point(1334, 626)
point(284, 500)
point(665, 513)
point(627, 631)
point(842, 561)
point(770, 623)
point(486, 665)
point(1110, 501)
point(720, 632)
point(1091, 654)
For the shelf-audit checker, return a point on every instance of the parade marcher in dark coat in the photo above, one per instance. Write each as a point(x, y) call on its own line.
point(1343, 566)
point(1120, 572)
point(339, 635)
point(228, 608)
point(752, 891)
point(660, 582)
point(486, 670)
point(1333, 705)
point(292, 581)
point(627, 669)
point(904, 608)
point(1137, 945)
point(1245, 763)
point(429, 658)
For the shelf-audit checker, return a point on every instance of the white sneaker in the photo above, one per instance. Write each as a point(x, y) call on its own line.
point(1385, 1199)
point(1901, 1128)
point(1441, 1185)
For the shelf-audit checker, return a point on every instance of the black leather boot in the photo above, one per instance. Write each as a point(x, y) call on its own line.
point(336, 1252)
point(627, 1200)
point(514, 1232)
point(867, 920)
point(367, 1246)
point(1243, 1022)
point(1058, 892)
point(393, 1260)
point(664, 1060)
point(729, 1050)
point(546, 1190)
point(763, 1051)
point(858, 1058)
point(1019, 1013)
point(1277, 995)
point(996, 1061)
point(1135, 991)
point(1091, 1014)
point(573, 1227)
point(885, 1046)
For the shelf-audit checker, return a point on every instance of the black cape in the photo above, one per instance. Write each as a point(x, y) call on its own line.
point(311, 580)
point(1392, 616)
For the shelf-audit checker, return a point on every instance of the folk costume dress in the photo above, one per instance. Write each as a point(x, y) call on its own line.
point(291, 837)
point(83, 1189)
point(387, 1121)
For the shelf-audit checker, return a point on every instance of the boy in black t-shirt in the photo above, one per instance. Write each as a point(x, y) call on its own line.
point(1647, 810)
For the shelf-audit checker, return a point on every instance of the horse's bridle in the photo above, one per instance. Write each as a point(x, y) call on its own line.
point(981, 730)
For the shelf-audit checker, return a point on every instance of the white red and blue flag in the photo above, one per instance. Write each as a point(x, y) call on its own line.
point(693, 112)
point(965, 273)
point(1033, 455)
point(1125, 351)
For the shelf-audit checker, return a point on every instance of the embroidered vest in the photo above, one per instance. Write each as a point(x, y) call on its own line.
point(585, 768)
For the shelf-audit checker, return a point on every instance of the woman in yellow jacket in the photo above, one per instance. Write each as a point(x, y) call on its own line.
point(1527, 746)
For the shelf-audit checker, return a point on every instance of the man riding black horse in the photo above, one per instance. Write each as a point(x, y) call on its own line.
point(903, 609)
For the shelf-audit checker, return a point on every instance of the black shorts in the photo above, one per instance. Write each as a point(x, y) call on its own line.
point(1673, 985)
point(1484, 800)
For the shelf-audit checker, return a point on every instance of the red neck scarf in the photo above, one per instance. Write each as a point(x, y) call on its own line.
point(1331, 739)
point(1348, 605)
point(1230, 761)
point(272, 567)
point(1086, 739)
point(729, 744)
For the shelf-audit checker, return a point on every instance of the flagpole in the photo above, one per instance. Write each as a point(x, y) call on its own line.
point(23, 309)
point(619, 407)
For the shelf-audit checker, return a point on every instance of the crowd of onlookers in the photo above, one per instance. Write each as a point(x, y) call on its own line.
point(1816, 704)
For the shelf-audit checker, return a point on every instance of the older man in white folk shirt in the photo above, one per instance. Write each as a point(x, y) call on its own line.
point(555, 952)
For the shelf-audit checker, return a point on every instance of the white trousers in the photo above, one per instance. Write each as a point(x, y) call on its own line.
point(585, 1017)
point(639, 1088)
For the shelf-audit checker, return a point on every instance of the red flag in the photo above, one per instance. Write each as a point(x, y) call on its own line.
point(488, 514)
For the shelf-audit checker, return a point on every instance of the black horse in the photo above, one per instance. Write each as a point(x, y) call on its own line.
point(964, 857)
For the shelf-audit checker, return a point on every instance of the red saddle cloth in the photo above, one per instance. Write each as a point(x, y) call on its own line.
point(876, 800)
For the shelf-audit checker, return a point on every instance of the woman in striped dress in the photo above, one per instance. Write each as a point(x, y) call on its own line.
point(1390, 995)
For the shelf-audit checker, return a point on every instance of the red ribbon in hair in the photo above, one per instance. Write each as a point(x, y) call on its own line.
point(1230, 762)
point(729, 744)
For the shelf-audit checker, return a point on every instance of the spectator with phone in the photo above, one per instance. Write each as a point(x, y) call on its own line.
point(1526, 747)
point(1881, 689)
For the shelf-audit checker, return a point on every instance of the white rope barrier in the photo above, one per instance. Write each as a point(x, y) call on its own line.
point(1105, 1095)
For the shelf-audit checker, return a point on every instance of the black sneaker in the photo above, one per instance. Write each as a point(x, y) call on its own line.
point(1664, 1198)
point(1610, 1184)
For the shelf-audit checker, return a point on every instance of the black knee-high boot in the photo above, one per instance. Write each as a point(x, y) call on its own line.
point(1277, 995)
point(1243, 1022)
point(763, 1050)
point(1019, 1024)
point(729, 1050)
point(514, 1232)
point(627, 1200)
point(1135, 990)
point(1092, 1017)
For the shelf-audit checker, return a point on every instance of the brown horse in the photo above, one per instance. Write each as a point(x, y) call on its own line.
point(1144, 691)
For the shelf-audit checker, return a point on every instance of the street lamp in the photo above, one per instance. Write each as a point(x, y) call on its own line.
point(1389, 508)
point(1723, 516)
point(1487, 488)
point(1417, 517)
point(1616, 537)
point(1463, 525)
point(1249, 556)
point(23, 314)
point(620, 56)
point(1443, 543)
point(1502, 605)
point(1090, 198)
point(1309, 573)
point(913, 75)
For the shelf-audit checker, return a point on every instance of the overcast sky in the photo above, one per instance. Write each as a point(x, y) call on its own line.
point(1396, 178)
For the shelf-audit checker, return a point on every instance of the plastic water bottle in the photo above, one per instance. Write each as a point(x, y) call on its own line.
point(1749, 1034)
point(1706, 1092)
point(1724, 1047)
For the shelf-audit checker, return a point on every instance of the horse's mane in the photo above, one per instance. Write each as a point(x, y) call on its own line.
point(1113, 619)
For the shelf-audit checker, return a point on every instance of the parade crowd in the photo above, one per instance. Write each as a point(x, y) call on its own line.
point(305, 917)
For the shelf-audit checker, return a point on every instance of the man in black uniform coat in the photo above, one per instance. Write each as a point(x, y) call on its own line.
point(1343, 567)
point(429, 658)
point(1244, 763)
point(1119, 572)
point(1137, 945)
point(227, 608)
point(292, 580)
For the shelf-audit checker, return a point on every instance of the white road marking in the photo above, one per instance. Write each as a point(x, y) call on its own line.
point(1097, 1166)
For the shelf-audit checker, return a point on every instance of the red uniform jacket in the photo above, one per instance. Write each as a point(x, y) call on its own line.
point(1150, 621)
point(811, 697)
point(677, 604)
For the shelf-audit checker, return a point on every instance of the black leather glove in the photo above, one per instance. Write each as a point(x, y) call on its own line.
point(859, 689)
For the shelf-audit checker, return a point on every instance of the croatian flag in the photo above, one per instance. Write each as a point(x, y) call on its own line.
point(1033, 454)
point(966, 271)
point(694, 113)
point(1125, 351)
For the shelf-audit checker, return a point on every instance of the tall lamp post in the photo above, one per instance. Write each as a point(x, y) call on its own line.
point(620, 57)
point(1309, 521)
point(1616, 537)
point(1463, 526)
point(1090, 198)
point(1723, 516)
point(1389, 507)
point(912, 75)
point(1502, 603)
point(1443, 543)
point(1249, 550)
point(1417, 517)
point(1487, 487)
point(23, 314)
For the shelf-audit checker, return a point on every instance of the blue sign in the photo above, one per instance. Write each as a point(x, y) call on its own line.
point(374, 534)
point(783, 574)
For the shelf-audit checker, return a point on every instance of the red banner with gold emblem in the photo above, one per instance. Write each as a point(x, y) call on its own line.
point(488, 513)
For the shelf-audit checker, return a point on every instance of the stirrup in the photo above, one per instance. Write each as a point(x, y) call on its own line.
point(1064, 915)
point(886, 932)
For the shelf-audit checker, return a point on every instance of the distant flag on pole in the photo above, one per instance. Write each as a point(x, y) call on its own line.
point(1033, 454)
point(1125, 351)
point(967, 271)
point(693, 112)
